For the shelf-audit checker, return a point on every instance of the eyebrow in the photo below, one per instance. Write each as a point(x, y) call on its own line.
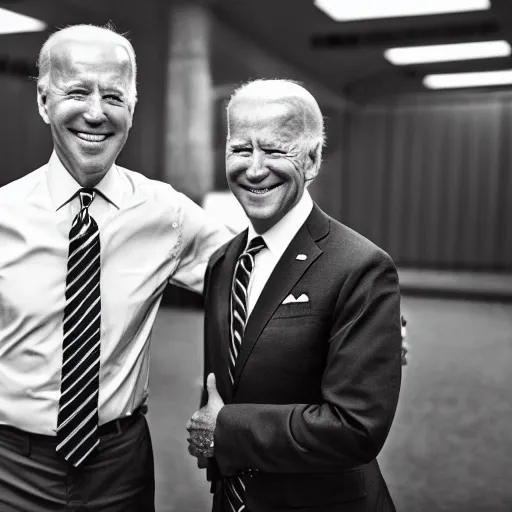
point(267, 142)
point(70, 88)
point(238, 144)
point(115, 90)
point(88, 84)
point(76, 83)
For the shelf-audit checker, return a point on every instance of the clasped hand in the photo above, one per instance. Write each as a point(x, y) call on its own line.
point(201, 425)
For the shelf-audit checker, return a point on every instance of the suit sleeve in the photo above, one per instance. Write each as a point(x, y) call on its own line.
point(360, 388)
point(206, 353)
point(212, 469)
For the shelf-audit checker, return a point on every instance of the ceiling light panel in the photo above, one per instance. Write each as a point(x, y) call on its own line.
point(350, 10)
point(447, 52)
point(475, 79)
point(13, 22)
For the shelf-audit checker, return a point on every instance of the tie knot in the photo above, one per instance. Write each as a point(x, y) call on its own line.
point(256, 245)
point(86, 196)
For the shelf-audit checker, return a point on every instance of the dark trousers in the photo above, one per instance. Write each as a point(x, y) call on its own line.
point(117, 477)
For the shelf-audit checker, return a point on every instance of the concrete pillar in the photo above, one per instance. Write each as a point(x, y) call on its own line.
point(188, 151)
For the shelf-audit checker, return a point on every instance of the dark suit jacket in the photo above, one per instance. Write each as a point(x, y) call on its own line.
point(316, 383)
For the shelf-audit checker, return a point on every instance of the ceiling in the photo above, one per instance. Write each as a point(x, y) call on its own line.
point(346, 57)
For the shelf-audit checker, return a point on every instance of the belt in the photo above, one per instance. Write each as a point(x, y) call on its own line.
point(119, 425)
point(112, 427)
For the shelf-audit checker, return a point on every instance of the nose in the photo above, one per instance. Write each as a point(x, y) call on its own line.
point(257, 171)
point(94, 113)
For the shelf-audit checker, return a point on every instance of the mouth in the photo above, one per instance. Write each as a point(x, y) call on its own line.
point(261, 191)
point(94, 138)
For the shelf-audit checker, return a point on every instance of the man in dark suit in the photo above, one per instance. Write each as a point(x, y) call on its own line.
point(302, 329)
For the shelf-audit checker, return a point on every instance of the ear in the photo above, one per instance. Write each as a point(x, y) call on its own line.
point(42, 97)
point(313, 160)
point(132, 111)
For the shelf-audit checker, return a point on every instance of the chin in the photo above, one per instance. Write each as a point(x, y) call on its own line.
point(261, 222)
point(95, 165)
point(258, 214)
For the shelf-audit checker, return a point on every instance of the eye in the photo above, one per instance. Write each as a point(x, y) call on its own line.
point(241, 150)
point(116, 98)
point(77, 93)
point(275, 151)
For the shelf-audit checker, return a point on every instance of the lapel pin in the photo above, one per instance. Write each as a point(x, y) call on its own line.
point(301, 257)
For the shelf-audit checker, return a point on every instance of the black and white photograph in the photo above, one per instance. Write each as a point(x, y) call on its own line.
point(255, 255)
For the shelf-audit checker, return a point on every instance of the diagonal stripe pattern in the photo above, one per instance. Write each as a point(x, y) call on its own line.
point(77, 424)
point(241, 278)
point(234, 487)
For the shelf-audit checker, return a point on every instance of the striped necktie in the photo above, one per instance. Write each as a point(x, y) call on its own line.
point(242, 276)
point(77, 424)
point(234, 487)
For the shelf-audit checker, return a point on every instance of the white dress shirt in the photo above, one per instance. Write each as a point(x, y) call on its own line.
point(150, 234)
point(277, 238)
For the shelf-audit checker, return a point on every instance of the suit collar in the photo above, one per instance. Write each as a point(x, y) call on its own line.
point(317, 223)
point(284, 277)
point(286, 274)
point(279, 236)
point(225, 258)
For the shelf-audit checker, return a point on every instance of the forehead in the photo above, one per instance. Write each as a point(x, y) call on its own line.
point(279, 120)
point(73, 60)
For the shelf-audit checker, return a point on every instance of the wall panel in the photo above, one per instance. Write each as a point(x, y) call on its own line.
point(429, 179)
point(23, 134)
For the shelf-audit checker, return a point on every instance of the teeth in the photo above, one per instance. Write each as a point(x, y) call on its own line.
point(91, 137)
point(262, 190)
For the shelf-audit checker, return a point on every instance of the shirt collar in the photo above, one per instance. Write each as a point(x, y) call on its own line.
point(63, 187)
point(279, 236)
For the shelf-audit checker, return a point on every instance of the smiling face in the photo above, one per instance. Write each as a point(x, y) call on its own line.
point(87, 105)
point(267, 159)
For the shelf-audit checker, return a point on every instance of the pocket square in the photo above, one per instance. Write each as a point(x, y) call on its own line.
point(292, 300)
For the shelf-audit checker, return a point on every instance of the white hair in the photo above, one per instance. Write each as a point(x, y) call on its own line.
point(85, 33)
point(287, 90)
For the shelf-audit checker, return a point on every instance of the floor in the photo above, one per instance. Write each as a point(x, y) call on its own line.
point(175, 379)
point(450, 446)
point(436, 283)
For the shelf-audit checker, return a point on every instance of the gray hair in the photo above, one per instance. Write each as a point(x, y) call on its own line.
point(287, 90)
point(85, 33)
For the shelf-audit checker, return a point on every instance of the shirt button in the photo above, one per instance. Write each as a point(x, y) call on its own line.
point(174, 225)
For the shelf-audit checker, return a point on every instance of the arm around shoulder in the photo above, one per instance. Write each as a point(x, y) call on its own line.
point(199, 238)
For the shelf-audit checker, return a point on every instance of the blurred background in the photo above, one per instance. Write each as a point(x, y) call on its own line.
point(418, 106)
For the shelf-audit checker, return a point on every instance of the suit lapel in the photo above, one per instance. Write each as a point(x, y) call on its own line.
point(222, 310)
point(285, 275)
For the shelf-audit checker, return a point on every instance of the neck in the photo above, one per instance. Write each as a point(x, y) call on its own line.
point(261, 226)
point(87, 179)
point(87, 176)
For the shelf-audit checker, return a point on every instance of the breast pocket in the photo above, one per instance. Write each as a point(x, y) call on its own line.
point(293, 309)
point(297, 344)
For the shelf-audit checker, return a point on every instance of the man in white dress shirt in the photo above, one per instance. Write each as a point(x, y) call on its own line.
point(87, 248)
